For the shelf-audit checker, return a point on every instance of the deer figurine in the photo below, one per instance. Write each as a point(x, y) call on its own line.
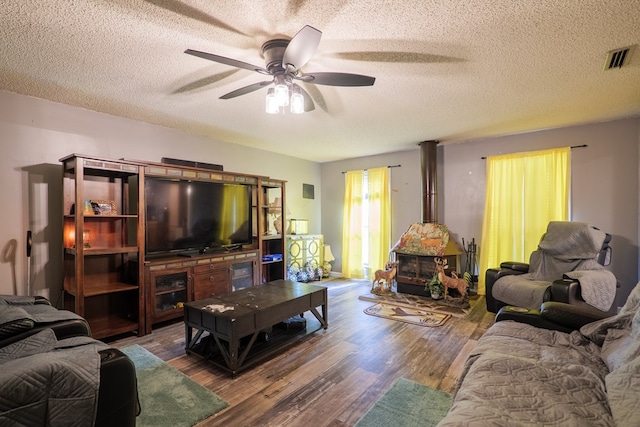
point(385, 275)
point(450, 282)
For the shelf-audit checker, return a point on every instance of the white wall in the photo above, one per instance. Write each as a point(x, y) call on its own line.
point(35, 134)
point(604, 186)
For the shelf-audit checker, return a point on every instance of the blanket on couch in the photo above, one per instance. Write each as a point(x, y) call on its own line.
point(44, 381)
point(526, 376)
point(21, 313)
point(597, 287)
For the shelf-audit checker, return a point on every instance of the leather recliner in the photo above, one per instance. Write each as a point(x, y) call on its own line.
point(552, 315)
point(561, 288)
point(118, 403)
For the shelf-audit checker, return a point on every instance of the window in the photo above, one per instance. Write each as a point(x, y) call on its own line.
point(366, 236)
point(524, 192)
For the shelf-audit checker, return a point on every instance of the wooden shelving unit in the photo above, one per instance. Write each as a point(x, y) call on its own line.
point(109, 280)
point(272, 228)
point(104, 243)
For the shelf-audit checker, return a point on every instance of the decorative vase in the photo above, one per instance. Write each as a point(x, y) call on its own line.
point(277, 224)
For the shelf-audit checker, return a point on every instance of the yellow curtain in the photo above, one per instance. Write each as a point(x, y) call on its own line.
point(233, 200)
point(352, 226)
point(379, 217)
point(524, 192)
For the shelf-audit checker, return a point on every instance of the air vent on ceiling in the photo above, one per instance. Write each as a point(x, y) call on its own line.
point(618, 57)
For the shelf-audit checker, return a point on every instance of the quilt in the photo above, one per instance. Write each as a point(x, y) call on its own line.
point(44, 381)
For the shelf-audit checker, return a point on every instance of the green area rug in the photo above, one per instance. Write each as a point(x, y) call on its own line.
point(408, 404)
point(167, 396)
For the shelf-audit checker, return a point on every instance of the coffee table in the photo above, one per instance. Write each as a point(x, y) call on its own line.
point(235, 321)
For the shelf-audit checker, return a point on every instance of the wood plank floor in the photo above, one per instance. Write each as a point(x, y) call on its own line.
point(334, 376)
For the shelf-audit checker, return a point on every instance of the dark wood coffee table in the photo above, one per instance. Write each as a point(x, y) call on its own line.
point(235, 321)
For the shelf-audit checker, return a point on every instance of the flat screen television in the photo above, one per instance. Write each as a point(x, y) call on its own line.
point(188, 216)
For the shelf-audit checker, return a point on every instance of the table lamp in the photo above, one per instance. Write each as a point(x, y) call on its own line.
point(328, 259)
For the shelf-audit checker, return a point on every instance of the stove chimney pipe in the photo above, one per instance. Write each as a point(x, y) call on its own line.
point(428, 157)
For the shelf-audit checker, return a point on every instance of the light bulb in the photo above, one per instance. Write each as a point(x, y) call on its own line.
point(282, 94)
point(297, 103)
point(272, 103)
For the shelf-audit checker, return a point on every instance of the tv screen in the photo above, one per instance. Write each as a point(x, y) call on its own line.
point(184, 216)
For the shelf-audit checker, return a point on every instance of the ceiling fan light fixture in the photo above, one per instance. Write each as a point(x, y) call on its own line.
point(284, 58)
point(272, 106)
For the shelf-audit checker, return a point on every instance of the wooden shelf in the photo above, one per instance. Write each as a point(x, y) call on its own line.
point(108, 326)
point(272, 237)
point(170, 291)
point(103, 250)
point(110, 251)
point(97, 288)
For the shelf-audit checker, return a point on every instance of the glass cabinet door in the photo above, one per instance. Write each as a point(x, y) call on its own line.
point(170, 290)
point(241, 275)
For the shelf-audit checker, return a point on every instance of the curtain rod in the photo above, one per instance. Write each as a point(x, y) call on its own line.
point(573, 146)
point(390, 166)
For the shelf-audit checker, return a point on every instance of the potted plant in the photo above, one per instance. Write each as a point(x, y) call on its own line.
point(436, 287)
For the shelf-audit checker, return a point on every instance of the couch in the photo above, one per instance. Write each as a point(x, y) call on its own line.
point(53, 373)
point(523, 375)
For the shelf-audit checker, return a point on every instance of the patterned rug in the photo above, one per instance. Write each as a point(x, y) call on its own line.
point(413, 315)
point(416, 301)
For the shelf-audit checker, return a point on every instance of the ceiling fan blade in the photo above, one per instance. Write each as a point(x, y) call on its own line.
point(301, 47)
point(396, 56)
point(308, 102)
point(226, 61)
point(179, 7)
point(245, 90)
point(337, 79)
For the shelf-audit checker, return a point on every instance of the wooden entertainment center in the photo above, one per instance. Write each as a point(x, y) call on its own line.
point(111, 280)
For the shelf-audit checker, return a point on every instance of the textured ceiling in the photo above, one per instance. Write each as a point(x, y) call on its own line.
point(448, 70)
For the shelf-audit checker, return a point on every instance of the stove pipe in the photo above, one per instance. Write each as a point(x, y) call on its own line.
point(428, 157)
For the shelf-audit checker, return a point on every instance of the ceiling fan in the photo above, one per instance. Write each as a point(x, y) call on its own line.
point(284, 60)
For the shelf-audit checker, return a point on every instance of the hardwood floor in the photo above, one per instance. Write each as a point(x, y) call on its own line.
point(334, 376)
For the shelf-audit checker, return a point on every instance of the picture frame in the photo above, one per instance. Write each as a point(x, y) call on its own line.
point(104, 207)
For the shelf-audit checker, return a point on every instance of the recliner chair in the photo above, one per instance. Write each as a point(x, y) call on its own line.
point(568, 253)
point(117, 403)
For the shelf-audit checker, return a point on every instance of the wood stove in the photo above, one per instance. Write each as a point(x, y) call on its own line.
point(423, 242)
point(416, 268)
